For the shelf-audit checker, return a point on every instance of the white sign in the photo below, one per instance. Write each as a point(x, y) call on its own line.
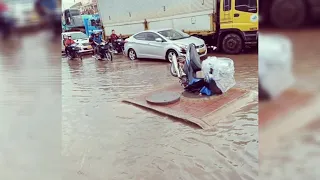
point(254, 18)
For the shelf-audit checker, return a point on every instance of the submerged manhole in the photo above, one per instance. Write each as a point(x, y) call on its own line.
point(163, 98)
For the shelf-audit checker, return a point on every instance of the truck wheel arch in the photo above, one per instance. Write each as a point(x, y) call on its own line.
point(224, 32)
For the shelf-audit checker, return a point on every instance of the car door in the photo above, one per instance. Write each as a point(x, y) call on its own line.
point(139, 44)
point(155, 49)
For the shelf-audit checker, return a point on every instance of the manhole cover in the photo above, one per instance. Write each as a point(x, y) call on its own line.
point(163, 98)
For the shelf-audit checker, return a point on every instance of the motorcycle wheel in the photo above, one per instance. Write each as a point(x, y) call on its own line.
point(69, 56)
point(108, 56)
point(173, 71)
point(79, 56)
point(122, 49)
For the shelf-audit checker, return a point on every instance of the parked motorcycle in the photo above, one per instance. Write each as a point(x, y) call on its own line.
point(104, 52)
point(74, 52)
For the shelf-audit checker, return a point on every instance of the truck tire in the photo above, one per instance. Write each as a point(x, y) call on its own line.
point(232, 43)
point(288, 13)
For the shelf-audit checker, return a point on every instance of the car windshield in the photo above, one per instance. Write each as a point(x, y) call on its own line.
point(173, 34)
point(78, 36)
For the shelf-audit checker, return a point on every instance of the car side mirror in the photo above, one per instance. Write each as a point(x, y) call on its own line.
point(159, 40)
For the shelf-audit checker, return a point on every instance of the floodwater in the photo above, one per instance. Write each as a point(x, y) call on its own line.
point(104, 138)
point(297, 156)
point(65, 118)
point(30, 108)
point(98, 136)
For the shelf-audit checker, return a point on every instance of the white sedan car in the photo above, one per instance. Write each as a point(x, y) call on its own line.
point(80, 38)
point(161, 44)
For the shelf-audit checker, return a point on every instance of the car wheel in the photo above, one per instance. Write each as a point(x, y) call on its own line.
point(170, 54)
point(282, 13)
point(132, 54)
point(232, 44)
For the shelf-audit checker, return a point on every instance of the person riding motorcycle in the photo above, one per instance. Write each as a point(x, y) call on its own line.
point(118, 47)
point(97, 40)
point(113, 36)
point(67, 44)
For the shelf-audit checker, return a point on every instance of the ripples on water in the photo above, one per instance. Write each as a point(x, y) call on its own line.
point(106, 139)
point(298, 156)
point(101, 137)
point(30, 108)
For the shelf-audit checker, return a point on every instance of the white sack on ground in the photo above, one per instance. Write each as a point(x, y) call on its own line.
point(223, 72)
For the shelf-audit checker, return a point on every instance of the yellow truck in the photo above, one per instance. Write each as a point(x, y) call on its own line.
point(229, 25)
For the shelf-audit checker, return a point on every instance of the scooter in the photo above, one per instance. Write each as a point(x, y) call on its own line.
point(105, 52)
point(186, 67)
point(74, 52)
point(118, 46)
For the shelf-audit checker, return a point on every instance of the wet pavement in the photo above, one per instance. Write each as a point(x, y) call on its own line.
point(30, 108)
point(297, 154)
point(103, 138)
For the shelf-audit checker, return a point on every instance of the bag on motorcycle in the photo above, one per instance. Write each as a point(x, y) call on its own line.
point(221, 70)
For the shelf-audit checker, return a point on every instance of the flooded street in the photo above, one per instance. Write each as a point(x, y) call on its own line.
point(30, 108)
point(297, 156)
point(99, 136)
point(104, 138)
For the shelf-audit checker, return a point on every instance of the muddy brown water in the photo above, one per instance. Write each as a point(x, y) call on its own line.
point(51, 104)
point(297, 156)
point(104, 138)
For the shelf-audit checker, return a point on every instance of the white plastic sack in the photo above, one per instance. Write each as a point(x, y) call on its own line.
point(275, 64)
point(223, 72)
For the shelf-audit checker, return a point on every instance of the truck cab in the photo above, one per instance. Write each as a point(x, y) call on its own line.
point(237, 25)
